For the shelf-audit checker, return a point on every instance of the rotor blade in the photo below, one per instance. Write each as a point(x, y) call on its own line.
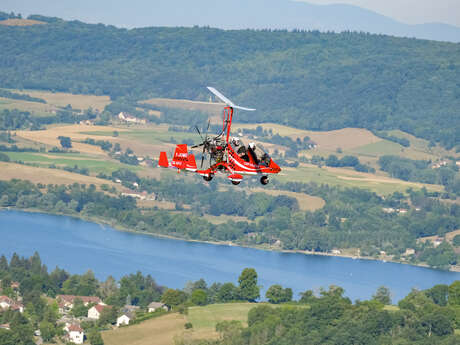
point(195, 146)
point(196, 127)
point(226, 100)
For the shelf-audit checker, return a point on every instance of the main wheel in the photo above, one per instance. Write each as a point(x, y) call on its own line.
point(236, 183)
point(207, 178)
point(264, 180)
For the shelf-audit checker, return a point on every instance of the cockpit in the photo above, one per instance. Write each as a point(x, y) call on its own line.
point(253, 153)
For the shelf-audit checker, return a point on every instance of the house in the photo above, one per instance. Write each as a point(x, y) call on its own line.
point(130, 309)
point(156, 305)
point(388, 210)
point(336, 252)
point(75, 333)
point(409, 251)
point(8, 303)
point(95, 311)
point(5, 326)
point(68, 301)
point(125, 318)
point(130, 119)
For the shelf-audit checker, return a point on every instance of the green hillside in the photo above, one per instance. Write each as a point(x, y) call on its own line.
point(309, 80)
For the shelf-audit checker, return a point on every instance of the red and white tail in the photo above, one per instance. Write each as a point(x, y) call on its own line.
point(191, 163)
point(181, 159)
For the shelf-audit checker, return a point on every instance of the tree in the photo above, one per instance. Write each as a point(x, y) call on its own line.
point(383, 295)
point(173, 298)
point(47, 331)
point(248, 289)
point(227, 292)
point(108, 316)
point(79, 309)
point(439, 294)
point(199, 297)
point(276, 294)
point(454, 293)
point(95, 337)
point(66, 142)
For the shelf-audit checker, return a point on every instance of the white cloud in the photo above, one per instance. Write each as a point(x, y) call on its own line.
point(408, 11)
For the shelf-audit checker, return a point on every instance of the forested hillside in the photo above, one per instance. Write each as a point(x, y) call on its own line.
point(309, 80)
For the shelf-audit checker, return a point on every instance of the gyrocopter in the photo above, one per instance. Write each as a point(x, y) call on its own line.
point(226, 156)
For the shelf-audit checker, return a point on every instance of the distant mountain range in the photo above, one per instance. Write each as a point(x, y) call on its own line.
point(233, 14)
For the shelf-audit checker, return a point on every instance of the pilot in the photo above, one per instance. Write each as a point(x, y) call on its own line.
point(235, 142)
point(243, 153)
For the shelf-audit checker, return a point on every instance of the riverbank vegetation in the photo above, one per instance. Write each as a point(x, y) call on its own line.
point(351, 218)
point(422, 317)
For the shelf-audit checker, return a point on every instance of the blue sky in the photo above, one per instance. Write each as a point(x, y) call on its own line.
point(408, 11)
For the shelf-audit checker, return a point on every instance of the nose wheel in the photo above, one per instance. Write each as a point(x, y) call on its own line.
point(264, 180)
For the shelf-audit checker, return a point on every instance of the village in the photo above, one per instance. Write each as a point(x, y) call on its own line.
point(95, 310)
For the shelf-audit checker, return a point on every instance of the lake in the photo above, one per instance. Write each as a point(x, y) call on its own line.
point(77, 246)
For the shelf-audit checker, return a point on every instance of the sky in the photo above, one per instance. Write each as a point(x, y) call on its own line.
point(408, 11)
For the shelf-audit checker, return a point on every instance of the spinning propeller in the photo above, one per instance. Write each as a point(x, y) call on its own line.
point(206, 142)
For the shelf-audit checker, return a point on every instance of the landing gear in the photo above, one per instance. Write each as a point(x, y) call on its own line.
point(236, 183)
point(264, 180)
point(207, 178)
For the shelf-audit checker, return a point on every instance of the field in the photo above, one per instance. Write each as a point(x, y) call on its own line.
point(158, 331)
point(94, 165)
point(20, 22)
point(204, 319)
point(50, 136)
point(349, 178)
point(38, 109)
point(163, 330)
point(306, 202)
point(61, 99)
point(345, 139)
point(47, 176)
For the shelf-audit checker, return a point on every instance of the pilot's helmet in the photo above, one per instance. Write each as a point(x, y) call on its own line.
point(252, 146)
point(236, 141)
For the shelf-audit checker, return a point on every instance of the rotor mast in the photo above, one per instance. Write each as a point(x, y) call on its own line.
point(228, 110)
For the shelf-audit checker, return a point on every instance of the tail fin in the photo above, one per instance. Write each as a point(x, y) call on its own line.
point(180, 158)
point(163, 161)
point(191, 163)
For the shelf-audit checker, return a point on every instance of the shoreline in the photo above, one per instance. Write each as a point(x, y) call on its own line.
point(119, 227)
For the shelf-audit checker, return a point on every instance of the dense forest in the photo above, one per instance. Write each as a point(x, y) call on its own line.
point(351, 218)
point(311, 80)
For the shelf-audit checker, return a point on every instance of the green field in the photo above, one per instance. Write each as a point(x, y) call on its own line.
point(349, 178)
point(206, 318)
point(95, 166)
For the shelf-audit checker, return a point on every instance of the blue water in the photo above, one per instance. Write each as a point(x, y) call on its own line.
point(77, 246)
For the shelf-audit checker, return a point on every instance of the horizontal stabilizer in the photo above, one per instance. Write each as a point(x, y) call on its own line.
point(226, 100)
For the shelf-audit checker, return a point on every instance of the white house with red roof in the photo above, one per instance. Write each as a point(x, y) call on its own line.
point(95, 311)
point(66, 302)
point(8, 303)
point(75, 333)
